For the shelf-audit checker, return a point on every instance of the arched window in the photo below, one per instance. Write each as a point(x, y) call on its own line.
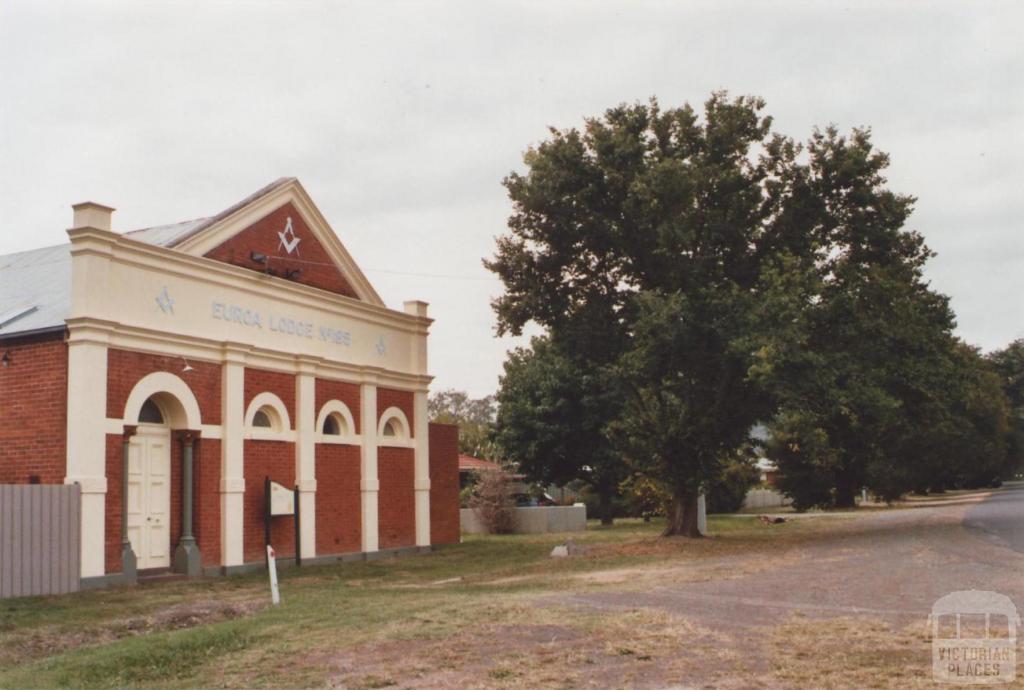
point(334, 425)
point(150, 413)
point(262, 419)
point(394, 428)
point(267, 418)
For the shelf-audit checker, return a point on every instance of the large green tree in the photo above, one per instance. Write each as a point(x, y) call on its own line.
point(552, 419)
point(649, 247)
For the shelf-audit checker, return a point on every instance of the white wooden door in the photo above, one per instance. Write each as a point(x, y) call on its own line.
point(149, 496)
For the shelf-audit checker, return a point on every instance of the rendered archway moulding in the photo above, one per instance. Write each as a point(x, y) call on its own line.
point(268, 399)
point(182, 415)
point(336, 407)
point(403, 438)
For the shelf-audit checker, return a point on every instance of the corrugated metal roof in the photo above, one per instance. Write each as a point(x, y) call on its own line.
point(166, 235)
point(39, 278)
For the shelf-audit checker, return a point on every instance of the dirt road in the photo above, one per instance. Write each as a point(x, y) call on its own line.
point(859, 598)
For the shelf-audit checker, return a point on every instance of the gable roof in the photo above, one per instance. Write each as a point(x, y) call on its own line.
point(176, 233)
point(35, 285)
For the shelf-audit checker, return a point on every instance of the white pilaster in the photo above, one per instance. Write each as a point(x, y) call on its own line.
point(87, 442)
point(305, 453)
point(232, 458)
point(87, 383)
point(369, 484)
point(422, 468)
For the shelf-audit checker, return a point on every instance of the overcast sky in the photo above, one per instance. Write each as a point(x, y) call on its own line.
point(401, 119)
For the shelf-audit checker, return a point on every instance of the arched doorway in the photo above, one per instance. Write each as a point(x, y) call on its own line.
point(149, 487)
point(160, 407)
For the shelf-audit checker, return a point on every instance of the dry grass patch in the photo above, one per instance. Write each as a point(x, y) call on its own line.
point(548, 647)
point(853, 653)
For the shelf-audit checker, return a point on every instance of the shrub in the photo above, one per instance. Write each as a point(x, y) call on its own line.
point(726, 495)
point(492, 501)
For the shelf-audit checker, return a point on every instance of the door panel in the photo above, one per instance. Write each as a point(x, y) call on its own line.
point(149, 494)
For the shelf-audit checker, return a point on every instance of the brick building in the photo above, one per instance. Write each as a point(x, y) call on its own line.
point(204, 357)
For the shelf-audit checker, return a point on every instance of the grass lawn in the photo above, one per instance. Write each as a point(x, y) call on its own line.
point(471, 607)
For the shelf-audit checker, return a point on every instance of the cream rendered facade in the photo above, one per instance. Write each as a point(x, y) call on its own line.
point(137, 296)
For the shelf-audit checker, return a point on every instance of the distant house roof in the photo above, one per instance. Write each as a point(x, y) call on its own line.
point(468, 463)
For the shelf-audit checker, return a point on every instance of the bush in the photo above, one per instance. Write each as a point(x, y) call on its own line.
point(727, 494)
point(492, 501)
point(643, 497)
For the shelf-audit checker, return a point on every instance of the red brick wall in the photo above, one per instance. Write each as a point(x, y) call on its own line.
point(33, 410)
point(275, 459)
point(397, 504)
point(316, 266)
point(444, 484)
point(112, 507)
point(403, 400)
point(280, 384)
point(347, 393)
point(206, 507)
point(338, 514)
point(125, 369)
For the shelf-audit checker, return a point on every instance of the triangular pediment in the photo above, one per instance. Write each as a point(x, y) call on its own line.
point(279, 231)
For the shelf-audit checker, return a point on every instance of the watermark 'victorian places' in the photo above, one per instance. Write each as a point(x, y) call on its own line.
point(974, 638)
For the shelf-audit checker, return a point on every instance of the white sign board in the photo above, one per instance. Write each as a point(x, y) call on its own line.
point(282, 500)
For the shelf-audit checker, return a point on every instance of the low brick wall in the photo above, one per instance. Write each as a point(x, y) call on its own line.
point(535, 520)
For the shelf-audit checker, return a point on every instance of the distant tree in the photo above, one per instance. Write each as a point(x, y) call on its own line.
point(474, 417)
point(551, 421)
point(862, 372)
point(1009, 366)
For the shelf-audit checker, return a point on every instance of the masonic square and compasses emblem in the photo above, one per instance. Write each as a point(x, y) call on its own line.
point(289, 242)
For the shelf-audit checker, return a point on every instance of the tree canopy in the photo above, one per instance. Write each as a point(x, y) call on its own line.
point(551, 420)
point(715, 274)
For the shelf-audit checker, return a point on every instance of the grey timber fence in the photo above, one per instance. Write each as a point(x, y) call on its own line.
point(39, 539)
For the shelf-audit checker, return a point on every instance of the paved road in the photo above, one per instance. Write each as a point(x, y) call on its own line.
point(1001, 515)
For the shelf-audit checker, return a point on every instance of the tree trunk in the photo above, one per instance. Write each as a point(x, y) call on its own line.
point(604, 507)
point(682, 516)
point(846, 491)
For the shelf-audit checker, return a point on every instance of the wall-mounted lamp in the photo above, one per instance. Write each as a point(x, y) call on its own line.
point(187, 367)
point(6, 359)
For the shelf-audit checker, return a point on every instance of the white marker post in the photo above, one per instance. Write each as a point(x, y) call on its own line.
point(702, 515)
point(275, 594)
